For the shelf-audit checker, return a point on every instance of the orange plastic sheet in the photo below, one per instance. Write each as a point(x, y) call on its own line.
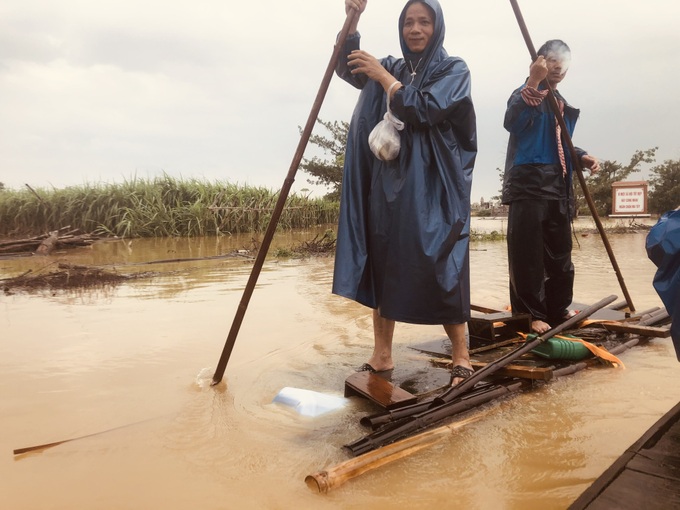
point(599, 352)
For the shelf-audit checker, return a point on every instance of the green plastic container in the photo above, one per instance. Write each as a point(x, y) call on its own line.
point(558, 348)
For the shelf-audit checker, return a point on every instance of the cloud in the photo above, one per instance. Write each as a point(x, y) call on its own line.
point(210, 89)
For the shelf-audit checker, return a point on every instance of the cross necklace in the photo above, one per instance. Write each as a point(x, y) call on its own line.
point(414, 70)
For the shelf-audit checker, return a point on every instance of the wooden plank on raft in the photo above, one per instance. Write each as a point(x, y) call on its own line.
point(483, 309)
point(442, 347)
point(379, 390)
point(519, 371)
point(636, 329)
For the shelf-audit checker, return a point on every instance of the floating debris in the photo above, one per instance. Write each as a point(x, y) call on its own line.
point(66, 276)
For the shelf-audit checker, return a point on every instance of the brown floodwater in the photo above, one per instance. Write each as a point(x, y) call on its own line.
point(125, 372)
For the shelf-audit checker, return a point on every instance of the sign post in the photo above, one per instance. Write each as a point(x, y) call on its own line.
point(629, 199)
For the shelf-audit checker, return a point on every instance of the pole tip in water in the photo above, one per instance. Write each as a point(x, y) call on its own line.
point(318, 482)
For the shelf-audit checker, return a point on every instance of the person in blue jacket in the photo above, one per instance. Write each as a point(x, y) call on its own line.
point(663, 248)
point(403, 234)
point(537, 186)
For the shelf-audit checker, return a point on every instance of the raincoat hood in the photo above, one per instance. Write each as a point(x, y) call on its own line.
point(435, 47)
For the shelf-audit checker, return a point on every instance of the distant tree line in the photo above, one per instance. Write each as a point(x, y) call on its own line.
point(663, 183)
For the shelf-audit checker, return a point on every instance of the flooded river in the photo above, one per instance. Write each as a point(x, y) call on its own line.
point(125, 372)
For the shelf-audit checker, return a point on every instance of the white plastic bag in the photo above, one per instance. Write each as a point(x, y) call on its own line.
point(384, 140)
point(308, 402)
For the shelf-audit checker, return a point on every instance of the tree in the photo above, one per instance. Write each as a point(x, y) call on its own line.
point(600, 184)
point(665, 187)
point(328, 172)
point(2, 186)
point(501, 176)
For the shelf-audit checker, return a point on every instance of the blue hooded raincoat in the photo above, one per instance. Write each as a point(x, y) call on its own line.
point(663, 248)
point(403, 234)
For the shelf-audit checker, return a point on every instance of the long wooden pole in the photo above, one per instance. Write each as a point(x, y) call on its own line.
point(324, 481)
point(283, 195)
point(576, 162)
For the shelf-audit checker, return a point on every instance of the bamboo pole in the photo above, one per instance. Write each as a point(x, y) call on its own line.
point(283, 195)
point(576, 162)
point(331, 478)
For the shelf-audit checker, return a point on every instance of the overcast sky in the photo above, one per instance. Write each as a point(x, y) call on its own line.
point(102, 91)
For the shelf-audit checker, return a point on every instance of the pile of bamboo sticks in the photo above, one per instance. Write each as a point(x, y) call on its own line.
point(65, 237)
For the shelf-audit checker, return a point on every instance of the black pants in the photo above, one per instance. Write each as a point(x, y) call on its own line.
point(539, 256)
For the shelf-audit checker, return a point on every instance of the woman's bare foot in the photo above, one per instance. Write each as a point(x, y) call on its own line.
point(539, 326)
point(570, 314)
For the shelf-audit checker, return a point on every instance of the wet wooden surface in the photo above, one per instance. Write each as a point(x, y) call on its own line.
point(378, 389)
point(647, 475)
point(492, 328)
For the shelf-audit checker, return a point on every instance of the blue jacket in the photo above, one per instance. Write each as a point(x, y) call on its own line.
point(533, 146)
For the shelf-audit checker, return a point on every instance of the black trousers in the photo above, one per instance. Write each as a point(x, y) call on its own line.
point(539, 256)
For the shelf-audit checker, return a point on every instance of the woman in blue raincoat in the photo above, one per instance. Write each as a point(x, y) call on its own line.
point(403, 235)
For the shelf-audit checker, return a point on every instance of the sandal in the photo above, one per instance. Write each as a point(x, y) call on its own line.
point(461, 372)
point(367, 367)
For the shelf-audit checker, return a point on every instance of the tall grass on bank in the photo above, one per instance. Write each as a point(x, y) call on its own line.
point(158, 207)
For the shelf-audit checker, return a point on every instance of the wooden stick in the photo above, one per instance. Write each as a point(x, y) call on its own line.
point(575, 161)
point(324, 481)
point(35, 193)
point(30, 449)
point(283, 195)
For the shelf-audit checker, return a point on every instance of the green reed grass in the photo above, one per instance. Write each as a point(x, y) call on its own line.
point(159, 207)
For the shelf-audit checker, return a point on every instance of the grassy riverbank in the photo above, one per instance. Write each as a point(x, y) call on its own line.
point(168, 207)
point(158, 207)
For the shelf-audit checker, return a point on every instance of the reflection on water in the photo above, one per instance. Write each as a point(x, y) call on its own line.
point(141, 355)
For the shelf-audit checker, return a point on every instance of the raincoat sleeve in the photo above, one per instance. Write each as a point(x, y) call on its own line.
point(443, 101)
point(343, 70)
point(663, 249)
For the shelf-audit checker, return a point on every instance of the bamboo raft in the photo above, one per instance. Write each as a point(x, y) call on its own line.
point(505, 363)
